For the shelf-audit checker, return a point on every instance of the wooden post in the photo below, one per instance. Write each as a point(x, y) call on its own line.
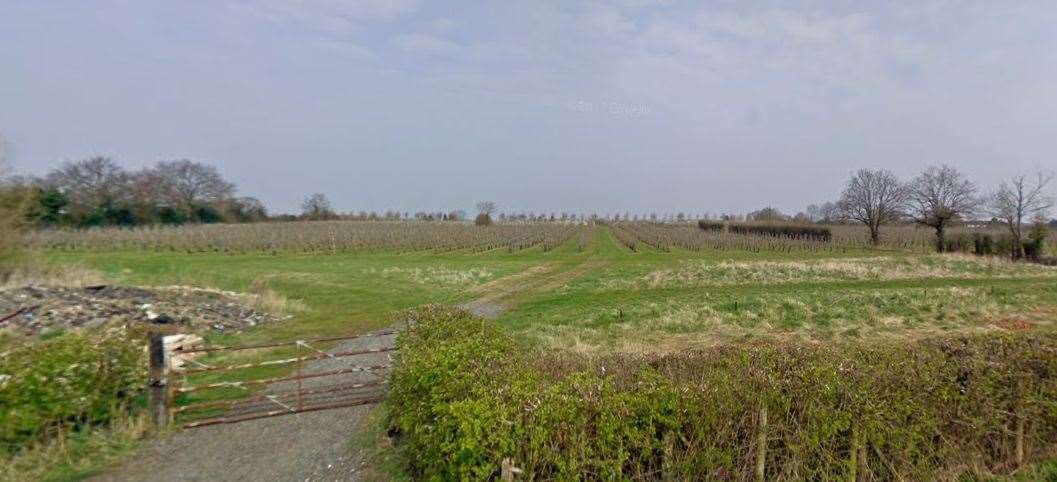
point(1020, 435)
point(761, 446)
point(1018, 421)
point(300, 401)
point(853, 454)
point(158, 383)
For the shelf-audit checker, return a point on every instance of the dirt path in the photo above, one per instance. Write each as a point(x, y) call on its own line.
point(500, 295)
point(313, 446)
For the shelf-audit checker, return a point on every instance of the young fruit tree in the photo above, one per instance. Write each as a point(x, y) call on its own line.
point(1019, 199)
point(873, 198)
point(939, 197)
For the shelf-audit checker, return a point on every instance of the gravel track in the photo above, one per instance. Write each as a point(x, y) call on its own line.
point(312, 446)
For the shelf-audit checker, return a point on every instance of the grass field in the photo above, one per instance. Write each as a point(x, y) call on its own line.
point(606, 296)
point(592, 294)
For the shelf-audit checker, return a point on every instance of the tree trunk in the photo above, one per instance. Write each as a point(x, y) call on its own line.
point(941, 237)
point(875, 235)
point(1018, 248)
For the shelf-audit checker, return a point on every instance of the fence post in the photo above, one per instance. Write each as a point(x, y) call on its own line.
point(761, 446)
point(300, 400)
point(853, 455)
point(1018, 420)
point(159, 389)
point(1020, 439)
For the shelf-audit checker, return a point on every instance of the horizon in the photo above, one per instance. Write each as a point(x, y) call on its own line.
point(604, 107)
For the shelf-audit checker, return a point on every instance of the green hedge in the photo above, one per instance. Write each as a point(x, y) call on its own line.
point(987, 244)
point(712, 225)
point(65, 382)
point(777, 230)
point(464, 396)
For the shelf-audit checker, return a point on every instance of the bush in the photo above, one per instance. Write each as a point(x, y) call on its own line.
point(984, 244)
point(12, 202)
point(464, 396)
point(959, 243)
point(483, 219)
point(714, 226)
point(66, 382)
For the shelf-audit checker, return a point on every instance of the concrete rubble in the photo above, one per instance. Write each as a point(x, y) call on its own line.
point(34, 310)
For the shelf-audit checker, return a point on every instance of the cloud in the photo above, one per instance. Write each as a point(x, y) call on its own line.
point(328, 17)
point(418, 42)
point(607, 22)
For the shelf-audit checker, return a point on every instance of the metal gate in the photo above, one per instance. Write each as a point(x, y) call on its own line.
point(208, 385)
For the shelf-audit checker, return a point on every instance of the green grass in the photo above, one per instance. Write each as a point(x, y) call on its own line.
point(76, 455)
point(345, 293)
point(607, 295)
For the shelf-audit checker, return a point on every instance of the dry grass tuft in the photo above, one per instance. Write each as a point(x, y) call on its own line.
point(262, 298)
point(72, 455)
point(72, 276)
point(705, 273)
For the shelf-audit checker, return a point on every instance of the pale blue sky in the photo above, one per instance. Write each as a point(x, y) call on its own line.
point(539, 105)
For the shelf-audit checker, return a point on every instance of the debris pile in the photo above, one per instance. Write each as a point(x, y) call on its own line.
point(38, 310)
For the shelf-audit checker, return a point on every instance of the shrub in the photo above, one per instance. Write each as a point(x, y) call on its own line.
point(483, 219)
point(464, 396)
point(12, 201)
point(714, 226)
point(983, 244)
point(66, 382)
point(778, 230)
point(958, 243)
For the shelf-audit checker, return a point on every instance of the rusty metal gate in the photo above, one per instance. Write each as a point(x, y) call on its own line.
point(208, 385)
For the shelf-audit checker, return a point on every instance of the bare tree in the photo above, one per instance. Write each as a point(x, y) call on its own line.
point(486, 207)
point(1019, 199)
point(147, 187)
point(185, 184)
point(768, 214)
point(873, 198)
point(939, 197)
point(317, 207)
point(246, 210)
point(813, 212)
point(485, 210)
point(829, 213)
point(90, 183)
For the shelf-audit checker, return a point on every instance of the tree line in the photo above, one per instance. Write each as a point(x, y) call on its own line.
point(943, 196)
point(99, 192)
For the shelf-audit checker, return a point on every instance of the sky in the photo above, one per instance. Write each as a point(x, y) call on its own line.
point(542, 106)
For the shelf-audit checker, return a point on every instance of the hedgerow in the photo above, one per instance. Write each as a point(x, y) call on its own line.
point(64, 383)
point(778, 230)
point(464, 396)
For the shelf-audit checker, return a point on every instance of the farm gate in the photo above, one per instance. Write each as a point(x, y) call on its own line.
point(196, 386)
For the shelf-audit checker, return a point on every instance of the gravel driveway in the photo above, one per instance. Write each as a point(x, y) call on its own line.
point(312, 446)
